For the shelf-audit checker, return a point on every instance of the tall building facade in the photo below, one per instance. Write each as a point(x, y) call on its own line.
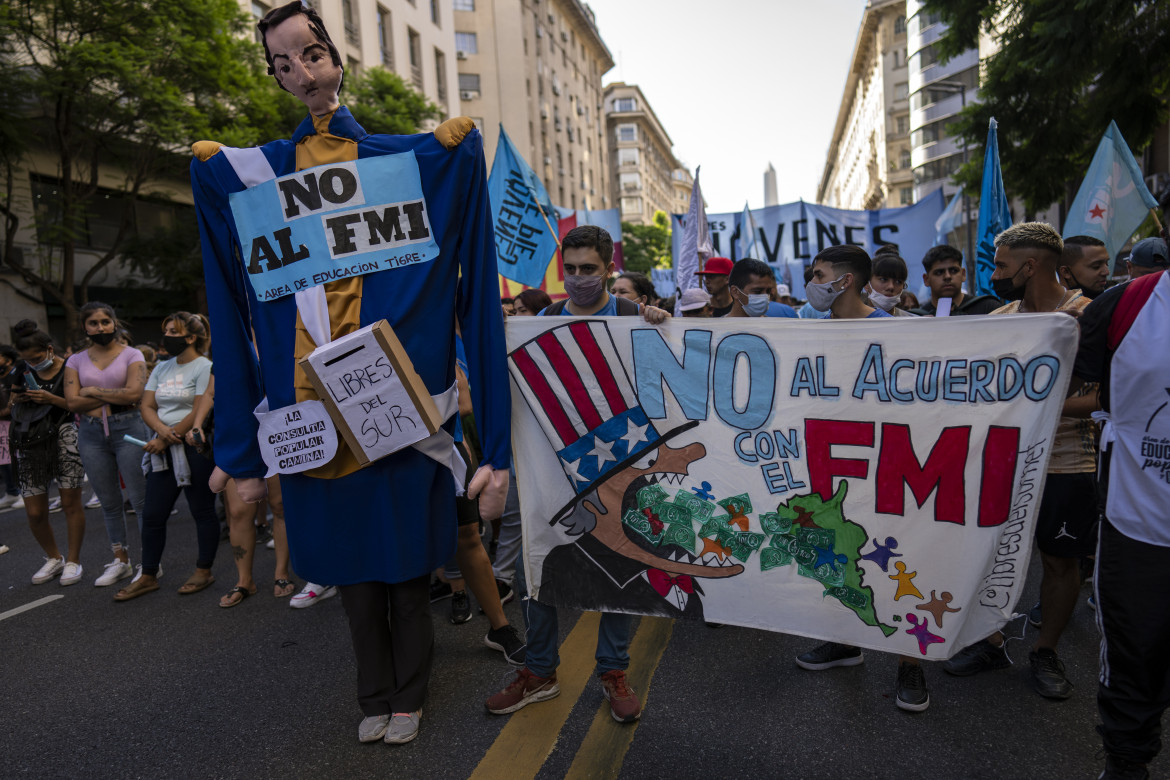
point(682, 183)
point(868, 165)
point(641, 156)
point(937, 94)
point(413, 38)
point(536, 67)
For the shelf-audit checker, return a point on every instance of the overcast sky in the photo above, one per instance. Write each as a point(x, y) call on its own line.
point(737, 84)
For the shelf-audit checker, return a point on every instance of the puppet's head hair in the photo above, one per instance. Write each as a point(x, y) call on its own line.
point(287, 11)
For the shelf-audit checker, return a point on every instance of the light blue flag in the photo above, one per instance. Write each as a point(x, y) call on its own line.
point(522, 215)
point(948, 221)
point(1113, 199)
point(995, 215)
point(748, 234)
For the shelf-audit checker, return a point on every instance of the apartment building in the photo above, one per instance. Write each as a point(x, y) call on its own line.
point(644, 169)
point(869, 162)
point(536, 67)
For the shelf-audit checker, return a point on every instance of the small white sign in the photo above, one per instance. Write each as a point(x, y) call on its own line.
point(296, 438)
point(369, 394)
point(944, 307)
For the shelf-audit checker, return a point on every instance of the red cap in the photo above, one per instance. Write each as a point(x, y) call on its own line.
point(717, 266)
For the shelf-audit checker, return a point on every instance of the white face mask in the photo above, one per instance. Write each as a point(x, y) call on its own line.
point(821, 296)
point(884, 302)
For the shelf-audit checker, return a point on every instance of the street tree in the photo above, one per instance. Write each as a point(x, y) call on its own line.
point(1063, 70)
point(645, 247)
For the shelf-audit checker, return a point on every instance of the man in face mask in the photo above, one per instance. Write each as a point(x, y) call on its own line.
point(839, 275)
point(752, 284)
point(1084, 265)
point(587, 251)
point(1026, 260)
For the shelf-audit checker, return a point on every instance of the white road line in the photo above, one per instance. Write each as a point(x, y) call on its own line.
point(28, 606)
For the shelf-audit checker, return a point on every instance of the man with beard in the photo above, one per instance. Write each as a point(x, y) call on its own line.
point(1084, 265)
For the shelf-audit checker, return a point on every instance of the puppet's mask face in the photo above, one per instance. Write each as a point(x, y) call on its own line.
point(303, 65)
point(669, 466)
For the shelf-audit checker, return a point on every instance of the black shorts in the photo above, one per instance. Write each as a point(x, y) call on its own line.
point(1066, 525)
point(466, 510)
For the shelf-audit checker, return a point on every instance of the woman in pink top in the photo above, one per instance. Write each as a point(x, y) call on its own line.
point(104, 384)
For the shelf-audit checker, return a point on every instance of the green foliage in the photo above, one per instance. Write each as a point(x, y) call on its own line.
point(1064, 69)
point(382, 102)
point(647, 246)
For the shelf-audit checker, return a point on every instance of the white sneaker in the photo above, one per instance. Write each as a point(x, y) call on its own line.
point(11, 502)
point(138, 573)
point(93, 503)
point(3, 549)
point(71, 573)
point(311, 594)
point(55, 505)
point(51, 569)
point(115, 570)
point(270, 544)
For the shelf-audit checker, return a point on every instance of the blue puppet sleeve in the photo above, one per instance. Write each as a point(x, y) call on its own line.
point(237, 373)
point(481, 316)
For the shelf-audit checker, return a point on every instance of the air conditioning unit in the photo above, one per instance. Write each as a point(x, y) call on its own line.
point(539, 32)
point(552, 19)
point(556, 89)
point(564, 35)
point(592, 191)
point(460, 55)
point(547, 160)
point(468, 94)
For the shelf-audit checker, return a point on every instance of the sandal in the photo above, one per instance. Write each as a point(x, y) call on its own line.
point(139, 587)
point(229, 599)
point(195, 583)
point(283, 588)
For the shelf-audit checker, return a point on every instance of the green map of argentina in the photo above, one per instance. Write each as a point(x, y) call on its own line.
point(810, 521)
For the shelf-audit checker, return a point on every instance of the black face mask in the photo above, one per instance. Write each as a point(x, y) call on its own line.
point(174, 345)
point(1007, 289)
point(101, 339)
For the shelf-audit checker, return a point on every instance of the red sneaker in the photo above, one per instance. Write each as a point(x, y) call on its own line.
point(524, 689)
point(623, 702)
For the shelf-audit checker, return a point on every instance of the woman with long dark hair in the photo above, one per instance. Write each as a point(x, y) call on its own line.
point(44, 441)
point(168, 408)
point(103, 384)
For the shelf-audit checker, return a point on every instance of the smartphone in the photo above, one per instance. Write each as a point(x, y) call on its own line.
point(30, 381)
point(197, 435)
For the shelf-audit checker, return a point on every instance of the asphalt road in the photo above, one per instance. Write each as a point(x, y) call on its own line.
point(173, 686)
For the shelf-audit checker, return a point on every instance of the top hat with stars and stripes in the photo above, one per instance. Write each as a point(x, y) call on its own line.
point(578, 389)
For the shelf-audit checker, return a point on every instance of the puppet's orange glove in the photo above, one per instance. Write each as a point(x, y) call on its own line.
point(452, 132)
point(491, 487)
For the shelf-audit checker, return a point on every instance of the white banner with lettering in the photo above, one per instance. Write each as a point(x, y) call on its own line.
point(869, 482)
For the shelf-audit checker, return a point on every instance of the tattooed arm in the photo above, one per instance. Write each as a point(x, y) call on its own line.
point(73, 396)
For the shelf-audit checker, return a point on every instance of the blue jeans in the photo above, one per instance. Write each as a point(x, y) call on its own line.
point(161, 493)
point(613, 635)
point(104, 457)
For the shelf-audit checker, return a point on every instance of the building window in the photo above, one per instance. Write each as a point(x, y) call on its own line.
point(416, 69)
point(906, 194)
point(435, 13)
point(463, 5)
point(630, 181)
point(625, 104)
point(631, 205)
point(259, 11)
point(385, 38)
point(466, 42)
point(627, 157)
point(469, 82)
point(901, 91)
point(351, 28)
point(627, 132)
point(903, 123)
point(904, 159)
point(440, 76)
point(900, 25)
point(899, 58)
point(353, 67)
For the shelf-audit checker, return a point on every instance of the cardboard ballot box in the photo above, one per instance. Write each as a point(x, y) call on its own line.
point(376, 399)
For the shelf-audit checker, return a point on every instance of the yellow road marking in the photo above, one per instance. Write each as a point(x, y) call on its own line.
point(604, 748)
point(531, 734)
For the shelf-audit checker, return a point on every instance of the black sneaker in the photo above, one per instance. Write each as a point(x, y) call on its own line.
point(1117, 768)
point(828, 655)
point(1048, 676)
point(440, 590)
point(460, 607)
point(979, 657)
point(1035, 617)
point(913, 695)
point(507, 640)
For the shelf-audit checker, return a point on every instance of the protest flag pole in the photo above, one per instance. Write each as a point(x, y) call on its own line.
point(555, 234)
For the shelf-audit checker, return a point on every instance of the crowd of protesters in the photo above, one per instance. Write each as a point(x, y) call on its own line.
point(140, 430)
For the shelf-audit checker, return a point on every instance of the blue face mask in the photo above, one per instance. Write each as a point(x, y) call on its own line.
point(757, 305)
point(44, 365)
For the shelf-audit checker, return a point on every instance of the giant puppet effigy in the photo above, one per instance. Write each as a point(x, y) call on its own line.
point(337, 265)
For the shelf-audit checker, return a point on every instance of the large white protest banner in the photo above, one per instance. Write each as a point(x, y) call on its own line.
point(867, 482)
point(788, 236)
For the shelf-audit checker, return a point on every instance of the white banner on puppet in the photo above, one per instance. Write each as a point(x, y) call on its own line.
point(867, 482)
point(295, 438)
